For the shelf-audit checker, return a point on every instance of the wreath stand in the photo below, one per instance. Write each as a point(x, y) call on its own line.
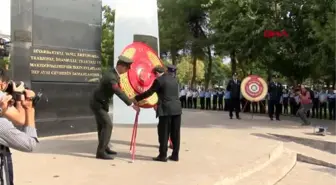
point(134, 135)
point(248, 101)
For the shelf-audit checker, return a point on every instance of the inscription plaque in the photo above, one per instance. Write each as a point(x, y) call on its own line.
point(64, 65)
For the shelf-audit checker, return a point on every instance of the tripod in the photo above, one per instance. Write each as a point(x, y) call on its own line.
point(247, 101)
point(4, 169)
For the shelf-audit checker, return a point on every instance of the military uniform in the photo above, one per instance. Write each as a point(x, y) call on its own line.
point(275, 93)
point(169, 111)
point(99, 104)
point(234, 88)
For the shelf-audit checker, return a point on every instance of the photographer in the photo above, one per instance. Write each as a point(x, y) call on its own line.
point(306, 104)
point(19, 111)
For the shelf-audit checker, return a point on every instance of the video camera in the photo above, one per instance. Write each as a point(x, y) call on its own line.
point(10, 91)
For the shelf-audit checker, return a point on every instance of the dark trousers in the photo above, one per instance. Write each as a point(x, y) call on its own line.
point(262, 107)
point(207, 103)
point(104, 125)
point(202, 100)
point(315, 109)
point(234, 105)
point(195, 102)
point(292, 104)
point(271, 105)
point(189, 102)
point(323, 108)
point(226, 104)
point(220, 103)
point(214, 103)
point(169, 126)
point(254, 107)
point(183, 101)
point(285, 106)
point(331, 108)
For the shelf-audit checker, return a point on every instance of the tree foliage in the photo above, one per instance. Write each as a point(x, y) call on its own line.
point(202, 32)
point(107, 44)
point(185, 68)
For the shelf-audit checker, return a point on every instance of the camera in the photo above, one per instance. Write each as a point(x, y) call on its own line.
point(10, 91)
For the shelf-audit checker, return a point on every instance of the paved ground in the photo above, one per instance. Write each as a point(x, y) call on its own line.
point(307, 174)
point(213, 148)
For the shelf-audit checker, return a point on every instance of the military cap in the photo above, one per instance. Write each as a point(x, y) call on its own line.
point(159, 69)
point(125, 59)
point(235, 74)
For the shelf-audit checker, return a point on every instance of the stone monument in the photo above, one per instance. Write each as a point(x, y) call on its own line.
point(135, 21)
point(56, 50)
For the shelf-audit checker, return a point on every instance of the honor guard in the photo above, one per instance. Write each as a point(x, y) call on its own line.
point(275, 93)
point(220, 98)
point(168, 110)
point(234, 88)
point(331, 103)
point(202, 98)
point(285, 100)
point(315, 110)
point(214, 98)
point(99, 104)
point(323, 103)
point(195, 96)
point(189, 98)
point(227, 100)
point(207, 100)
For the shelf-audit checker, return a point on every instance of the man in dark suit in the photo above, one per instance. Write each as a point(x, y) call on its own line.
point(168, 110)
point(234, 88)
point(99, 104)
point(275, 91)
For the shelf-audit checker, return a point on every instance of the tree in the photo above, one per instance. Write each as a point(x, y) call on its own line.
point(107, 44)
point(219, 72)
point(173, 29)
point(185, 68)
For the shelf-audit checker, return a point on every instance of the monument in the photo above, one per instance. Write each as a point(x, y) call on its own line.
point(56, 49)
point(134, 24)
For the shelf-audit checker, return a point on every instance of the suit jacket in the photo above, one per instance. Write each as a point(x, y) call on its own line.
point(109, 85)
point(166, 87)
point(275, 91)
point(234, 89)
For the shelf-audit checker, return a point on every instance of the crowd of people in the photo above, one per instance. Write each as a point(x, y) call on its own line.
point(218, 98)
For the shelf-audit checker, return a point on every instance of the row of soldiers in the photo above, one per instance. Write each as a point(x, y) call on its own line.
point(219, 99)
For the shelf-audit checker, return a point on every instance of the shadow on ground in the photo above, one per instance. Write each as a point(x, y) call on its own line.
point(85, 148)
point(325, 170)
point(316, 144)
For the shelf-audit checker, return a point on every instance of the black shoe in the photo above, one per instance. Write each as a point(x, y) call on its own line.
point(104, 156)
point(173, 158)
point(110, 152)
point(230, 117)
point(271, 119)
point(278, 119)
point(238, 118)
point(161, 159)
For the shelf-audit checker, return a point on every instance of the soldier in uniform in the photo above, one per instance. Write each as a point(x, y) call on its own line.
point(275, 93)
point(214, 98)
point(220, 98)
point(169, 111)
point(234, 88)
point(99, 104)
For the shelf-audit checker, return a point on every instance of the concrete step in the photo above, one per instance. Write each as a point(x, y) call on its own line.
point(273, 172)
point(280, 162)
point(308, 174)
